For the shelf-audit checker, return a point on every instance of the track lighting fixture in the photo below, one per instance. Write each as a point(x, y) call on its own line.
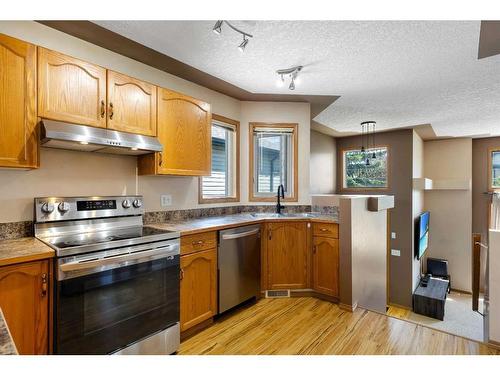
point(218, 30)
point(292, 73)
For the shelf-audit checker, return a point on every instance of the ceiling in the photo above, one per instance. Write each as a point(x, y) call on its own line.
point(398, 73)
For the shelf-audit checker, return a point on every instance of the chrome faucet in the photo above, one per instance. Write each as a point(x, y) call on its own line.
point(281, 194)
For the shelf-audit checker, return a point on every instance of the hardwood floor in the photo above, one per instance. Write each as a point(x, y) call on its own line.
point(312, 326)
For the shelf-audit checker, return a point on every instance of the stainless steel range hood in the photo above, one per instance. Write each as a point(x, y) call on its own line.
point(68, 136)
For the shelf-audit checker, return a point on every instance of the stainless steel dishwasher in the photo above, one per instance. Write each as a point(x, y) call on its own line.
point(239, 265)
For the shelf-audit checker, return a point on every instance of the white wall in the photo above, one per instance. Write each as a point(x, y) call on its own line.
point(68, 173)
point(323, 162)
point(417, 198)
point(493, 315)
point(277, 113)
point(451, 210)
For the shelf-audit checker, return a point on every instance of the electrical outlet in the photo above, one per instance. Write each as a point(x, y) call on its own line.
point(395, 253)
point(393, 235)
point(166, 200)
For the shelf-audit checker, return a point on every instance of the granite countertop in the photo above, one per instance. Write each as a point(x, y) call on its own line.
point(7, 345)
point(24, 249)
point(227, 221)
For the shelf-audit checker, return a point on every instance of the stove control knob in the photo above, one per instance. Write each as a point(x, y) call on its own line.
point(47, 207)
point(137, 203)
point(63, 207)
point(126, 203)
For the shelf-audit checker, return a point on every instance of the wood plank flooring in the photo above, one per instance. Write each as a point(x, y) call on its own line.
point(312, 326)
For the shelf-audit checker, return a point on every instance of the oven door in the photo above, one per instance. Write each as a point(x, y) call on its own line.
point(109, 300)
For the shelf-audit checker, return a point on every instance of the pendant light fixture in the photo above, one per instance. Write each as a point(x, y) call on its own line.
point(218, 30)
point(368, 137)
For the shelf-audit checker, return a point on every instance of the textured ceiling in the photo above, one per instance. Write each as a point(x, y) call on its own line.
point(398, 73)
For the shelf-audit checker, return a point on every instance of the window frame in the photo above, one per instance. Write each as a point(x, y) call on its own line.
point(491, 150)
point(236, 198)
point(344, 188)
point(295, 162)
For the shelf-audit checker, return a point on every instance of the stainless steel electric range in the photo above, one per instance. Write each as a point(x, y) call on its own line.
point(117, 280)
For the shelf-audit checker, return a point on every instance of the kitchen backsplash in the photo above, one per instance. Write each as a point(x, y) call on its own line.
point(326, 210)
point(25, 228)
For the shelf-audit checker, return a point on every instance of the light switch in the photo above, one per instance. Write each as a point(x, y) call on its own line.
point(395, 253)
point(166, 200)
point(393, 235)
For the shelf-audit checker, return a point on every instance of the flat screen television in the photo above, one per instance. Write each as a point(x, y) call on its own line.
point(422, 234)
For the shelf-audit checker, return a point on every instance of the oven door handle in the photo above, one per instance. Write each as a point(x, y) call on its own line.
point(137, 257)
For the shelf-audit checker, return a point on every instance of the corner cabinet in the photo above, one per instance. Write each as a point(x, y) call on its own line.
point(24, 299)
point(131, 105)
point(184, 130)
point(19, 136)
point(71, 90)
point(286, 263)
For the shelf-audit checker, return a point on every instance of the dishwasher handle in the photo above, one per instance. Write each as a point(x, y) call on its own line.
point(240, 235)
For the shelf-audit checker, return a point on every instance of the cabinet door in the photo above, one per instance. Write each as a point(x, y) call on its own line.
point(24, 302)
point(326, 265)
point(198, 287)
point(18, 135)
point(184, 130)
point(287, 255)
point(131, 105)
point(71, 90)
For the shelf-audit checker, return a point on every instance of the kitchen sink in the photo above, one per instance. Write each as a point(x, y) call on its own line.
point(284, 215)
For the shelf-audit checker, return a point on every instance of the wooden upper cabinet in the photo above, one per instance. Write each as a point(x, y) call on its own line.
point(184, 130)
point(287, 255)
point(131, 105)
point(198, 287)
point(18, 131)
point(24, 299)
point(71, 90)
point(326, 265)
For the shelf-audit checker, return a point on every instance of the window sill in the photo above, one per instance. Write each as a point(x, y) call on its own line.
point(218, 200)
point(272, 199)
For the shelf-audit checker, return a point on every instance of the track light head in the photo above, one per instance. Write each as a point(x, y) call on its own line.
point(292, 73)
point(292, 84)
point(243, 44)
point(217, 27)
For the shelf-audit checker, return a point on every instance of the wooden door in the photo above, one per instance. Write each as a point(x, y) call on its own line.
point(198, 287)
point(184, 130)
point(131, 105)
point(24, 299)
point(326, 265)
point(287, 255)
point(18, 134)
point(71, 90)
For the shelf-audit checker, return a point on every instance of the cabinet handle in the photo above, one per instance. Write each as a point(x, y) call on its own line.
point(323, 229)
point(44, 284)
point(181, 276)
point(315, 247)
point(111, 113)
point(270, 233)
point(103, 108)
point(161, 158)
point(200, 242)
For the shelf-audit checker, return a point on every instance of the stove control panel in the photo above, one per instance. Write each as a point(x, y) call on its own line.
point(75, 208)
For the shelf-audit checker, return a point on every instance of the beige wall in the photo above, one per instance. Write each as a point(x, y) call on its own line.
point(417, 197)
point(451, 210)
point(78, 173)
point(323, 150)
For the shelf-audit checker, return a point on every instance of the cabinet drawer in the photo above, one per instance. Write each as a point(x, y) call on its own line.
point(326, 229)
point(198, 242)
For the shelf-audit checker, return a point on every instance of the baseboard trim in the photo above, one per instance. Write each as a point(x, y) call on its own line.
point(347, 307)
point(461, 291)
point(196, 329)
point(494, 344)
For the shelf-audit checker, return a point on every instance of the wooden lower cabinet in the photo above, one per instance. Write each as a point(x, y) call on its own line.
point(198, 287)
point(325, 262)
point(287, 255)
point(24, 299)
